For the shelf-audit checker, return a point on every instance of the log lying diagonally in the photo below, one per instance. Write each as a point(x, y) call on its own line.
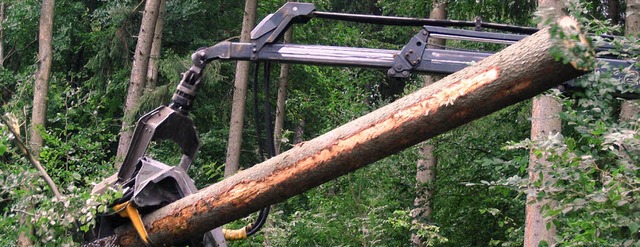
point(517, 73)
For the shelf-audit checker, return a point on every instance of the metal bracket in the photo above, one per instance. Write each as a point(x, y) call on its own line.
point(410, 56)
point(274, 25)
point(413, 57)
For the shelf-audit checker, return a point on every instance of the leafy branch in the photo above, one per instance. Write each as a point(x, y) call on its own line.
point(32, 159)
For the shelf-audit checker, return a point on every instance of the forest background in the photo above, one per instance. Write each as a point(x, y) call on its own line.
point(478, 197)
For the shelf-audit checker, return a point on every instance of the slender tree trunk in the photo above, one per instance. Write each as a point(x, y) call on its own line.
point(427, 162)
point(41, 86)
point(154, 55)
point(425, 177)
point(613, 12)
point(298, 135)
point(519, 72)
point(138, 74)
point(40, 91)
point(1, 34)
point(239, 94)
point(630, 108)
point(632, 21)
point(282, 98)
point(545, 121)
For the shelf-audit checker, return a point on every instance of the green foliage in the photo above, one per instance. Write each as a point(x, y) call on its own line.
point(27, 205)
point(594, 177)
point(497, 11)
point(431, 233)
point(476, 190)
point(19, 27)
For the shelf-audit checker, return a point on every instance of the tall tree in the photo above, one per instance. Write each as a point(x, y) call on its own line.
point(154, 55)
point(613, 12)
point(40, 91)
point(41, 85)
point(283, 82)
point(630, 108)
point(239, 94)
point(1, 34)
point(545, 122)
point(427, 162)
point(138, 74)
point(632, 20)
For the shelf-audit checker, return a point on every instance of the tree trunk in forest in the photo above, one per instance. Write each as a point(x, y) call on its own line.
point(1, 34)
point(427, 162)
point(630, 108)
point(298, 135)
point(545, 121)
point(236, 126)
point(613, 12)
point(283, 82)
point(40, 91)
point(138, 75)
point(519, 72)
point(632, 21)
point(154, 54)
point(41, 85)
point(425, 177)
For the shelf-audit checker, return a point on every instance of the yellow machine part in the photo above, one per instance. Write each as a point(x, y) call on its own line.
point(237, 234)
point(128, 210)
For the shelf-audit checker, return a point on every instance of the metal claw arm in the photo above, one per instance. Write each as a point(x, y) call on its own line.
point(414, 57)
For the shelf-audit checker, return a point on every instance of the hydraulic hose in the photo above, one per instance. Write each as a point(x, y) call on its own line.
point(251, 229)
point(262, 216)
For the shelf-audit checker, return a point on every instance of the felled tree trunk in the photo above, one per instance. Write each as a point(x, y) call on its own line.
point(517, 73)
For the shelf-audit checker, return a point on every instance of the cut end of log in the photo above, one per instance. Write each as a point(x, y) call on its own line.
point(580, 52)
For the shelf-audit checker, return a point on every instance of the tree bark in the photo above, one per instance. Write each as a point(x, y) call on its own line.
point(1, 34)
point(613, 12)
point(425, 177)
point(512, 75)
point(236, 126)
point(427, 162)
point(298, 135)
point(40, 91)
point(283, 82)
point(41, 85)
point(138, 75)
point(545, 121)
point(632, 20)
point(630, 108)
point(154, 54)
